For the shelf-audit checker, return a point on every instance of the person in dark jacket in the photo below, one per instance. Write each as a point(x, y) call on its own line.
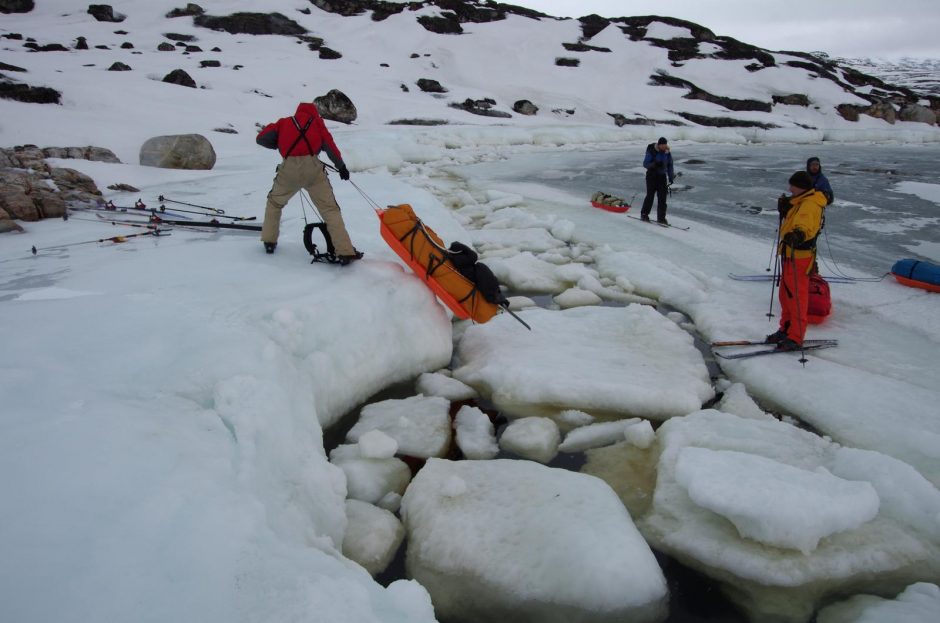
point(299, 139)
point(820, 181)
point(659, 174)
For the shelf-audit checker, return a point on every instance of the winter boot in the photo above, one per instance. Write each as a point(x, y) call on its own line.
point(269, 247)
point(345, 260)
point(787, 345)
point(776, 337)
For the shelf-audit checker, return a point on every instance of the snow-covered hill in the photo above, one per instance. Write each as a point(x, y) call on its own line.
point(589, 72)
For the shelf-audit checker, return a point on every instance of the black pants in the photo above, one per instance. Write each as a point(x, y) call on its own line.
point(655, 185)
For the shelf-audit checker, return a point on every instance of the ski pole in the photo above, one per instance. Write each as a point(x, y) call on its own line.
point(161, 198)
point(162, 209)
point(114, 239)
point(773, 284)
point(773, 249)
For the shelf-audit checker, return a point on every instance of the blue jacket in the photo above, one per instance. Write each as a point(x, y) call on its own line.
point(821, 182)
point(658, 163)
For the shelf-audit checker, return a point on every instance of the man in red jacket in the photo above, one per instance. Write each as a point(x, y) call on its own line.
point(299, 139)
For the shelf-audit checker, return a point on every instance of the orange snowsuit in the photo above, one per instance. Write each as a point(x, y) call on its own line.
point(805, 215)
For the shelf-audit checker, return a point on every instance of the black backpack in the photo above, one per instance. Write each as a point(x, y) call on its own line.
point(465, 261)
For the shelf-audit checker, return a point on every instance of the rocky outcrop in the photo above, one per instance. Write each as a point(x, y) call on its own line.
point(525, 107)
point(190, 10)
point(179, 151)
point(104, 13)
point(794, 99)
point(119, 66)
point(180, 77)
point(336, 106)
point(16, 6)
point(430, 86)
point(620, 120)
point(918, 113)
point(251, 24)
point(442, 25)
point(725, 122)
point(583, 47)
point(22, 92)
point(696, 93)
point(480, 107)
point(32, 189)
point(567, 62)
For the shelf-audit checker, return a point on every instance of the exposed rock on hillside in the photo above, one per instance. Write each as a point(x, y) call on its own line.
point(251, 24)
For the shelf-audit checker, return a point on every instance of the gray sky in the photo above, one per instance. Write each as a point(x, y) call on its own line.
point(853, 28)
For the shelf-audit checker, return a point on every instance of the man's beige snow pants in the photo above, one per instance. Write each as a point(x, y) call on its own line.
point(309, 173)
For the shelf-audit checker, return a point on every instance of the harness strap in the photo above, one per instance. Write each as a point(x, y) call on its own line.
point(302, 136)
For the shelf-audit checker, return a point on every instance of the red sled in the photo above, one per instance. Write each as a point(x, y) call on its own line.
point(620, 209)
point(820, 301)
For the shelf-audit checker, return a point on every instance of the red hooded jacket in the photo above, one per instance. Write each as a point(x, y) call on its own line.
point(285, 135)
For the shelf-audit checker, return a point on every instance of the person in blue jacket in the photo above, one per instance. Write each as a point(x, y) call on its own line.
point(659, 174)
point(820, 181)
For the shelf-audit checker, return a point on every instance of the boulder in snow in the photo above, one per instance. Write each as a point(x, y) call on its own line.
point(178, 151)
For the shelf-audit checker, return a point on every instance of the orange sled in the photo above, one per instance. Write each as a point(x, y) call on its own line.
point(427, 255)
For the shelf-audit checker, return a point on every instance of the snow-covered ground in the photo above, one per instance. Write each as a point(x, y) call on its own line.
point(164, 400)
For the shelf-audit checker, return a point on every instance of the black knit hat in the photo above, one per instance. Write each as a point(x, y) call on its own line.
point(801, 179)
point(662, 141)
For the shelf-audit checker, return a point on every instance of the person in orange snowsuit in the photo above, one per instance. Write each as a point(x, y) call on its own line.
point(800, 222)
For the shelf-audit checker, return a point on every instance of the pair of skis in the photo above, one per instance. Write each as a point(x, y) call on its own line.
point(769, 349)
point(652, 222)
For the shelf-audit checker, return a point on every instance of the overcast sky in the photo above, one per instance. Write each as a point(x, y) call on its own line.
point(853, 28)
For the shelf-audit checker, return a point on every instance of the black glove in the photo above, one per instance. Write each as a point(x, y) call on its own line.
point(783, 205)
point(343, 172)
point(794, 238)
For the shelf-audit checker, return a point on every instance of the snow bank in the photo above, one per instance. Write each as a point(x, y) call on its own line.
point(500, 540)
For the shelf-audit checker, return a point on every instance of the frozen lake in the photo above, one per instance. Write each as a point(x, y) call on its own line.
point(887, 203)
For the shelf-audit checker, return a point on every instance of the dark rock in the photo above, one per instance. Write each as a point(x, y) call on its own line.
point(193, 48)
point(102, 47)
point(621, 121)
point(190, 10)
point(104, 13)
point(328, 54)
point(430, 86)
point(216, 49)
point(383, 65)
point(13, 36)
point(563, 111)
point(180, 77)
point(166, 47)
point(445, 24)
point(21, 92)
point(210, 64)
point(405, 88)
point(51, 47)
point(794, 99)
point(251, 24)
point(81, 43)
point(525, 107)
point(567, 62)
point(418, 122)
point(5, 67)
point(174, 36)
point(480, 107)
point(225, 130)
point(336, 106)
point(118, 66)
point(849, 112)
point(313, 43)
point(725, 122)
point(695, 93)
point(124, 188)
point(592, 24)
point(16, 6)
point(31, 189)
point(127, 45)
point(415, 55)
point(583, 47)
point(882, 110)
